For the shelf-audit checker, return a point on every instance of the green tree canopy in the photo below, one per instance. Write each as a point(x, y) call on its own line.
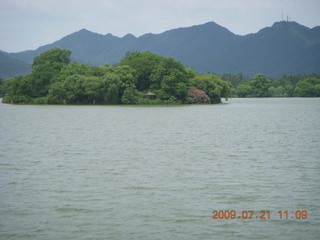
point(260, 85)
point(213, 86)
point(144, 63)
point(244, 90)
point(46, 69)
point(172, 78)
point(55, 80)
point(309, 87)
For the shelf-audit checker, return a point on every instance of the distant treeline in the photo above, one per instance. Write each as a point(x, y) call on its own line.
point(262, 86)
point(140, 78)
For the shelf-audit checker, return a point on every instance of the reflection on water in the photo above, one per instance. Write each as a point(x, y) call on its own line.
point(158, 172)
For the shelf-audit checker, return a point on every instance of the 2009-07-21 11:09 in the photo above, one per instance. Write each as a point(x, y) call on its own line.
point(262, 214)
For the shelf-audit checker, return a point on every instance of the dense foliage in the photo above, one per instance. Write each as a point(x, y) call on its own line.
point(54, 80)
point(261, 86)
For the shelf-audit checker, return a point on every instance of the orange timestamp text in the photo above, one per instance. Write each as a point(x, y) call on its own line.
point(263, 214)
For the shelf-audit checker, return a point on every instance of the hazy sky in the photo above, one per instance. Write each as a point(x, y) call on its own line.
point(28, 24)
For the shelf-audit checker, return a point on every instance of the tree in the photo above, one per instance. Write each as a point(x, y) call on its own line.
point(244, 90)
point(276, 91)
point(46, 68)
point(74, 68)
point(57, 93)
point(309, 87)
point(260, 85)
point(213, 86)
point(127, 78)
point(197, 96)
point(112, 96)
point(74, 92)
point(92, 89)
point(130, 95)
point(174, 86)
point(144, 63)
point(171, 77)
point(19, 90)
point(99, 71)
point(289, 90)
point(110, 79)
point(127, 75)
point(2, 87)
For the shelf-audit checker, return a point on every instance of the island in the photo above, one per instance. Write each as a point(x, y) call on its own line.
point(139, 78)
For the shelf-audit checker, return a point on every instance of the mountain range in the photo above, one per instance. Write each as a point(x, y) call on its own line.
point(284, 48)
point(11, 67)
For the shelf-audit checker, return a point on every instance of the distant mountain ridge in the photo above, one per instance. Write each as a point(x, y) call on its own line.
point(283, 48)
point(10, 67)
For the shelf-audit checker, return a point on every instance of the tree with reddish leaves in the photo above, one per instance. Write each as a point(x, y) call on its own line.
point(197, 96)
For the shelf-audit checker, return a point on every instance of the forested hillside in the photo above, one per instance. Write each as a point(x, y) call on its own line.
point(284, 48)
point(10, 67)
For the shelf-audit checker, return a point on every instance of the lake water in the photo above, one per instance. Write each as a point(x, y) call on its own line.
point(158, 172)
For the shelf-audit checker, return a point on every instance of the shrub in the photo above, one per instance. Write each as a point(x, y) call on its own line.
point(197, 96)
point(40, 100)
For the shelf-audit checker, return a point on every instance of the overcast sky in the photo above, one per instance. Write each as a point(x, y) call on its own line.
point(28, 24)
